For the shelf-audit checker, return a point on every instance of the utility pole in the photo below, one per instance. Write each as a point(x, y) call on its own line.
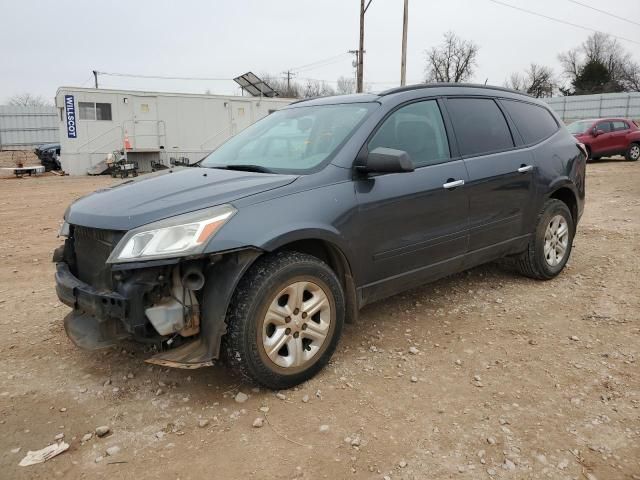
point(355, 63)
point(289, 74)
point(95, 77)
point(403, 61)
point(363, 10)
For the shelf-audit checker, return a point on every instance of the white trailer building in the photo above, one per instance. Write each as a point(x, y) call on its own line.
point(152, 126)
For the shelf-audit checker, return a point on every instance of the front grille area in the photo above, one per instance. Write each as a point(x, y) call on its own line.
point(91, 248)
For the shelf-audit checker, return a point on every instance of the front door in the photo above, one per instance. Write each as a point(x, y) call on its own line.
point(604, 142)
point(413, 226)
point(500, 177)
point(144, 134)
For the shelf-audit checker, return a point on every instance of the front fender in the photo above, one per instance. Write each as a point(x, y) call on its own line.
point(324, 214)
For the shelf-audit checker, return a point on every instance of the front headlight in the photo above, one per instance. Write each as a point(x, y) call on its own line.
point(63, 231)
point(177, 236)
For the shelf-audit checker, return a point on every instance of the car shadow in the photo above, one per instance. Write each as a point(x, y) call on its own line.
point(615, 159)
point(201, 383)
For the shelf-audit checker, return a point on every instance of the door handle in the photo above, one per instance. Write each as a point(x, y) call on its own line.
point(453, 184)
point(525, 168)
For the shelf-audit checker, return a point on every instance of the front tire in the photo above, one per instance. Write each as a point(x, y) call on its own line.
point(285, 320)
point(633, 153)
point(549, 249)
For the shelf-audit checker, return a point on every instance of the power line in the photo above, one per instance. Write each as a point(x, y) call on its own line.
point(163, 77)
point(314, 64)
point(604, 11)
point(321, 65)
point(558, 20)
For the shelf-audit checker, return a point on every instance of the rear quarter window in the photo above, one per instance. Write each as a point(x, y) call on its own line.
point(535, 123)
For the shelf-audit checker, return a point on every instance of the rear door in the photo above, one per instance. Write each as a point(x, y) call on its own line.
point(500, 175)
point(412, 226)
point(620, 129)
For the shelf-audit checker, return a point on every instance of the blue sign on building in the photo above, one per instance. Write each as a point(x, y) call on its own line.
point(70, 110)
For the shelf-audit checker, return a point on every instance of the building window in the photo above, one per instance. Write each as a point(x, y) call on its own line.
point(103, 111)
point(94, 111)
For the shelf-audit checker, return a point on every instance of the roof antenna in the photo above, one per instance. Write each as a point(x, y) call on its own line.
point(485, 82)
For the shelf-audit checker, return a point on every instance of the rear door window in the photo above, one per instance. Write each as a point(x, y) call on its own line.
point(417, 129)
point(535, 123)
point(480, 126)
point(619, 125)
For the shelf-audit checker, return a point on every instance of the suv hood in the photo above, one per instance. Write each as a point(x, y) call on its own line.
point(165, 194)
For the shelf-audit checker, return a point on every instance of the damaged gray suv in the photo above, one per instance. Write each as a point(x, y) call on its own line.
point(261, 252)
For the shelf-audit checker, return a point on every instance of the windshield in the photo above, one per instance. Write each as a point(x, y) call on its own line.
point(579, 127)
point(295, 140)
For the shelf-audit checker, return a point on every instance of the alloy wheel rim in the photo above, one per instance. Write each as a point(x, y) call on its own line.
point(635, 152)
point(556, 240)
point(296, 324)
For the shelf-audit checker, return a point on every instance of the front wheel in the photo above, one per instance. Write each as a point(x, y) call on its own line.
point(549, 249)
point(633, 153)
point(285, 320)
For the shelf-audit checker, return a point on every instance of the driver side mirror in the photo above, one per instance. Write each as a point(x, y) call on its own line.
point(596, 132)
point(387, 160)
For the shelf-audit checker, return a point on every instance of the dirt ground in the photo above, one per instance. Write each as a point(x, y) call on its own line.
point(512, 378)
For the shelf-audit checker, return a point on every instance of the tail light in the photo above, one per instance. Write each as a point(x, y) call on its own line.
point(583, 149)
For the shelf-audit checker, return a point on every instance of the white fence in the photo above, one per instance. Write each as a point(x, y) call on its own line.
point(22, 128)
point(579, 107)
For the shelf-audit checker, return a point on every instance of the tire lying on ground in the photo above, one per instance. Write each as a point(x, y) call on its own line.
point(285, 320)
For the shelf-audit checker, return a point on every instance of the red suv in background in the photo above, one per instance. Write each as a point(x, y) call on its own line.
point(608, 136)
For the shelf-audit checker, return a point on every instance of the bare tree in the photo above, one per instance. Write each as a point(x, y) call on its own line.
point(538, 81)
point(452, 61)
point(600, 49)
point(280, 85)
point(316, 88)
point(632, 77)
point(28, 100)
point(516, 82)
point(345, 85)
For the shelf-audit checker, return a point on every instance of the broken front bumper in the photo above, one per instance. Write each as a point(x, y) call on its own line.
point(96, 319)
point(101, 318)
point(81, 296)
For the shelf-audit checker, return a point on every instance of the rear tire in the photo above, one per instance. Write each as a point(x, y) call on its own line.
point(633, 153)
point(550, 248)
point(285, 320)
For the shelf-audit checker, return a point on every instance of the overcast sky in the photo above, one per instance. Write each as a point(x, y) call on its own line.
point(47, 44)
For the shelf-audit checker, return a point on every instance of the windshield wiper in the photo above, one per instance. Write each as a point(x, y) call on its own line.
point(244, 168)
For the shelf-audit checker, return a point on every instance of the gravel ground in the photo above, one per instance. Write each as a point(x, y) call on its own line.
point(481, 375)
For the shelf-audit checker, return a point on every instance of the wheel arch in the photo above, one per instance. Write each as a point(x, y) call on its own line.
point(330, 253)
point(566, 194)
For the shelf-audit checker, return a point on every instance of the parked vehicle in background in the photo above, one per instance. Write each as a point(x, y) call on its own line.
point(262, 251)
point(49, 155)
point(608, 136)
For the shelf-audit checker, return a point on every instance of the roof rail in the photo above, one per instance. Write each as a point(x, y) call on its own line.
point(305, 100)
point(448, 84)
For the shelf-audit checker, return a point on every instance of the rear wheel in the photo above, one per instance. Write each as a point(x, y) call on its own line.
point(550, 248)
point(285, 320)
point(633, 153)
